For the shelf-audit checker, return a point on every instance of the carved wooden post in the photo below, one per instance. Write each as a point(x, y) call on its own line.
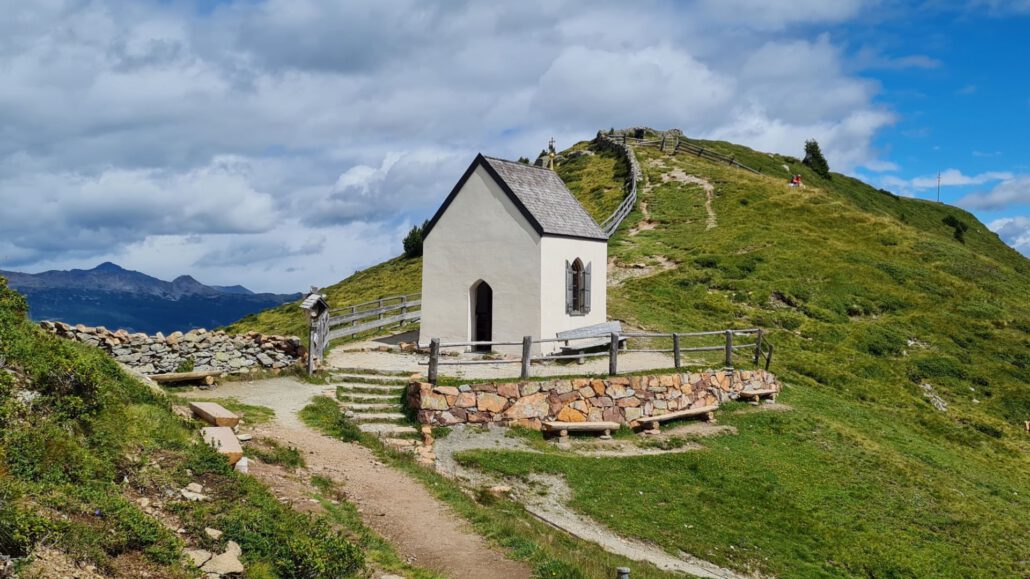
point(676, 349)
point(527, 355)
point(729, 348)
point(758, 346)
point(613, 355)
point(434, 359)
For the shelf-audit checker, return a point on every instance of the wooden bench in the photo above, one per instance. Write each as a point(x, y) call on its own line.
point(654, 421)
point(600, 337)
point(207, 377)
point(759, 394)
point(563, 428)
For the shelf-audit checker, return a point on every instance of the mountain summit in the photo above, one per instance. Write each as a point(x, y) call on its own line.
point(112, 296)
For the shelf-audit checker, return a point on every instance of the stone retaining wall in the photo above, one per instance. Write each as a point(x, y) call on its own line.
point(618, 399)
point(160, 354)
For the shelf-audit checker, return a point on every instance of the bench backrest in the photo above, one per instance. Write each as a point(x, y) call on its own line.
point(596, 330)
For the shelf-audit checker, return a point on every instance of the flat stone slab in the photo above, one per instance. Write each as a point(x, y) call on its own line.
point(757, 393)
point(223, 439)
point(214, 414)
point(581, 426)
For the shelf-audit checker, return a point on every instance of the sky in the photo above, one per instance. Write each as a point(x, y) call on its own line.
point(281, 144)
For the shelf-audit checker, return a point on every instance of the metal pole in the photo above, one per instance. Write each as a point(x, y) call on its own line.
point(613, 355)
point(527, 355)
point(434, 359)
point(676, 349)
point(729, 348)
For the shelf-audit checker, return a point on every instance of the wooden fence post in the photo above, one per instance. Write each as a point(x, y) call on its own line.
point(676, 349)
point(527, 355)
point(380, 307)
point(404, 311)
point(613, 356)
point(758, 346)
point(434, 359)
point(729, 348)
point(768, 357)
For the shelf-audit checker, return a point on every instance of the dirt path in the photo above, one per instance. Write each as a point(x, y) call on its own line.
point(547, 496)
point(618, 273)
point(423, 530)
point(679, 175)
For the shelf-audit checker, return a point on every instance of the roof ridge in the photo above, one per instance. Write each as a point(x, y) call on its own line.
point(519, 163)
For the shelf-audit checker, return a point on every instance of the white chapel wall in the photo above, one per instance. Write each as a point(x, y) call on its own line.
point(482, 235)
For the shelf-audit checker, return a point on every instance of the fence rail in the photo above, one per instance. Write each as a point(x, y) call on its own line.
point(611, 225)
point(327, 324)
point(758, 349)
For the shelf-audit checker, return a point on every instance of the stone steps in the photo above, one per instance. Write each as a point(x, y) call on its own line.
point(395, 391)
point(369, 406)
point(377, 416)
point(369, 378)
point(365, 398)
point(386, 429)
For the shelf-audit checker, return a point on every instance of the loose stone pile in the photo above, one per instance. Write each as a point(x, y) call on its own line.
point(621, 399)
point(201, 349)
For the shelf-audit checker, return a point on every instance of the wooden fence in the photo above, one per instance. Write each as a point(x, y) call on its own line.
point(327, 324)
point(679, 145)
point(758, 350)
point(611, 225)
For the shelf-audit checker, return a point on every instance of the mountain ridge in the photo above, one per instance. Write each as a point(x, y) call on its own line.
point(112, 296)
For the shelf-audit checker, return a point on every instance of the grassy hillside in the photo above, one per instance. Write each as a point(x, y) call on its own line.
point(871, 300)
point(81, 442)
point(877, 310)
point(395, 277)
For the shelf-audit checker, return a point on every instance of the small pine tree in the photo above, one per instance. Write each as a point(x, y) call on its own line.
point(815, 160)
point(413, 241)
point(524, 160)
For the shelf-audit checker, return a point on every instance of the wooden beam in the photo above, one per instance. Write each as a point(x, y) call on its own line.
point(206, 376)
point(214, 414)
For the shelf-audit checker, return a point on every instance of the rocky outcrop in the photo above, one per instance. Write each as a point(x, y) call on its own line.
point(621, 399)
point(198, 350)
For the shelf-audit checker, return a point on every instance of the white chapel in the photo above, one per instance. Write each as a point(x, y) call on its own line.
point(511, 253)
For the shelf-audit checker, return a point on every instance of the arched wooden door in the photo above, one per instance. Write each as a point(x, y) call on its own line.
point(482, 315)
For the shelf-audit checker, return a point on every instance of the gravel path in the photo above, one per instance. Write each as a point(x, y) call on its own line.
point(422, 529)
point(354, 356)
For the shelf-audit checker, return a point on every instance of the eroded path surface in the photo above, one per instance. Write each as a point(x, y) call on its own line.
point(547, 496)
point(423, 530)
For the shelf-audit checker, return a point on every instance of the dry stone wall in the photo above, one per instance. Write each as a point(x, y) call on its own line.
point(201, 349)
point(621, 399)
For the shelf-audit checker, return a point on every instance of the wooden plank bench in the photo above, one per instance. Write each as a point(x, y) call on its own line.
point(206, 376)
point(224, 440)
point(759, 394)
point(214, 414)
point(563, 428)
point(654, 421)
point(600, 335)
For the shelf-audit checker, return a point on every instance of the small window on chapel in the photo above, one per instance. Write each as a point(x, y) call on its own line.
point(577, 288)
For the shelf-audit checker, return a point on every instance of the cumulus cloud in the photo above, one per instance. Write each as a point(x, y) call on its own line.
point(954, 177)
point(265, 133)
point(1009, 193)
point(1015, 231)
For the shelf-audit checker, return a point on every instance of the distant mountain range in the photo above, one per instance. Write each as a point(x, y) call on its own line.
point(111, 296)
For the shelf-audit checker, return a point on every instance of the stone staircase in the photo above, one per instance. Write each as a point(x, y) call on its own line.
point(375, 403)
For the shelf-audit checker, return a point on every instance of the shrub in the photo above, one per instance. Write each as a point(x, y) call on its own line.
point(814, 159)
point(186, 365)
point(960, 227)
point(413, 241)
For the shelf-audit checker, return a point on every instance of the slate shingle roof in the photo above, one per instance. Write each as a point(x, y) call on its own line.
point(539, 194)
point(547, 199)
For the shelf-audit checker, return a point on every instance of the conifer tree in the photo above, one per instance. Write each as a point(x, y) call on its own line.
point(815, 160)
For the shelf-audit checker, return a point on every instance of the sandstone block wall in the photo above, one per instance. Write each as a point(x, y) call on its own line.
point(620, 399)
point(208, 351)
